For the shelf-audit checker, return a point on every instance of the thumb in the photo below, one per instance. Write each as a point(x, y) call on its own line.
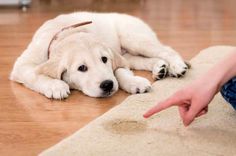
point(188, 119)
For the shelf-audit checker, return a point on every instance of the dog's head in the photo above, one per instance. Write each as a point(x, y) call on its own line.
point(85, 63)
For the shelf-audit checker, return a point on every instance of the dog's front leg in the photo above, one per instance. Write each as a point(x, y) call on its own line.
point(51, 88)
point(131, 83)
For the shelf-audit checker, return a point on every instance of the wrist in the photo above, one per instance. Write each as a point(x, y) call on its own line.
point(212, 79)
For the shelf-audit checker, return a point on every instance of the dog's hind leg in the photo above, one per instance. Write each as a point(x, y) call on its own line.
point(158, 67)
point(139, 39)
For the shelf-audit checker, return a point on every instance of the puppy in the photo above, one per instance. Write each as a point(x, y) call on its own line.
point(93, 53)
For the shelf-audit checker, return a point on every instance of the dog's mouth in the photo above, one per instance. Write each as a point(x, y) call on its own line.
point(108, 93)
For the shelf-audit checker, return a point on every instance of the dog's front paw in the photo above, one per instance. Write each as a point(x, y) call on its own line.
point(177, 68)
point(160, 70)
point(139, 85)
point(55, 89)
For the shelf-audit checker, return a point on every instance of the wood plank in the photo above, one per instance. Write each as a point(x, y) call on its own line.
point(29, 122)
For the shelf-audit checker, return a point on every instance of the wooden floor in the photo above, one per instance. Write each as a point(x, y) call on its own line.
point(30, 123)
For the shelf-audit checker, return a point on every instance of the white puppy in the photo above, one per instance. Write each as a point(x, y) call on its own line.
point(70, 52)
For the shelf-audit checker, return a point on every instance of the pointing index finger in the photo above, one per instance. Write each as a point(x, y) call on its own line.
point(174, 100)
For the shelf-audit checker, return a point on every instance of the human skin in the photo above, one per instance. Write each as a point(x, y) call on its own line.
point(193, 99)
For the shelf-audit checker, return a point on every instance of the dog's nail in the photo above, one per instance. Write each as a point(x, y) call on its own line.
point(161, 75)
point(179, 75)
point(162, 71)
point(163, 66)
point(183, 72)
point(172, 75)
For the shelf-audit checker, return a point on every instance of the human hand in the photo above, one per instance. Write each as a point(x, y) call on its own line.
point(192, 100)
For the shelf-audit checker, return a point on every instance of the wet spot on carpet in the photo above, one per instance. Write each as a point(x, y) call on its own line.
point(125, 126)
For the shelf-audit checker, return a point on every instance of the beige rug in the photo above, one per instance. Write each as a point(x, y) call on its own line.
point(123, 131)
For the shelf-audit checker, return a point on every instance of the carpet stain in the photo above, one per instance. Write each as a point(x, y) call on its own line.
point(125, 126)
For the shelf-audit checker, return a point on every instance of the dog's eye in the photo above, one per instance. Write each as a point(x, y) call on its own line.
point(104, 59)
point(83, 68)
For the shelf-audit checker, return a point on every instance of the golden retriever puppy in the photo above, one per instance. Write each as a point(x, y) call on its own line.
point(94, 52)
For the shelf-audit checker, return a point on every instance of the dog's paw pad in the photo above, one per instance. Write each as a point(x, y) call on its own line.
point(160, 70)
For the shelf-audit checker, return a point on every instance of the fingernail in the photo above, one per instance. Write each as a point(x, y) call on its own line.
point(145, 116)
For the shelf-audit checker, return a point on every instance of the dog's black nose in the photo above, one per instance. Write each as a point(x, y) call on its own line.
point(106, 85)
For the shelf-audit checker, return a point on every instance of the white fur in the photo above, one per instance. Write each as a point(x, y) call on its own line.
point(111, 35)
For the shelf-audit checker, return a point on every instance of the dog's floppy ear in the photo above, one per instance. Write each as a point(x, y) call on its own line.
point(52, 68)
point(118, 61)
